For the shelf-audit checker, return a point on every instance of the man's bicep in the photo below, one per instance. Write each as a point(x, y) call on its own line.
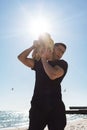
point(29, 62)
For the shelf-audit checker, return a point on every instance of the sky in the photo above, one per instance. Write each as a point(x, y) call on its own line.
point(67, 21)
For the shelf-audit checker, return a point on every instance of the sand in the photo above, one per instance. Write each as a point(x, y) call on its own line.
point(77, 125)
point(74, 125)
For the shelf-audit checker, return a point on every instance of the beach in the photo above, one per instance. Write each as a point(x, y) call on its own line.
point(77, 125)
point(73, 125)
point(14, 120)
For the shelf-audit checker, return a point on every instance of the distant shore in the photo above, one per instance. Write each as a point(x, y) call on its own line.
point(73, 125)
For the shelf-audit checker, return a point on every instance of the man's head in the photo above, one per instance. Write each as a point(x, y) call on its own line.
point(59, 49)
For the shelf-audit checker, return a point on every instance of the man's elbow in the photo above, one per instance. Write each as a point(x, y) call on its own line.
point(52, 77)
point(20, 58)
point(55, 76)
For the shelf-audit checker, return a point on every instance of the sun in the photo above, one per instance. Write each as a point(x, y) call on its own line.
point(38, 26)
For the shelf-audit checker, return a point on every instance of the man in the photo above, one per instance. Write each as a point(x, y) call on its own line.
point(47, 107)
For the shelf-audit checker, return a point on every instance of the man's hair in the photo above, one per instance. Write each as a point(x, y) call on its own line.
point(60, 43)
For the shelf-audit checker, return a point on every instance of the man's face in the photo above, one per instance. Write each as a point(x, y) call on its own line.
point(59, 51)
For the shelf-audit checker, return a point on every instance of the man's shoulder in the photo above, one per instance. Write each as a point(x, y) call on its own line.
point(64, 62)
point(61, 61)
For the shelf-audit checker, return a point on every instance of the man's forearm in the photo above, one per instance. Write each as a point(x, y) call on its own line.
point(25, 53)
point(23, 57)
point(50, 71)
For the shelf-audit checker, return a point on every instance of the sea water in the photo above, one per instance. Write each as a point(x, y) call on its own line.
point(75, 117)
point(10, 119)
point(13, 119)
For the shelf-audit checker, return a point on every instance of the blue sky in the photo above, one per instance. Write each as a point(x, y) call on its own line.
point(68, 23)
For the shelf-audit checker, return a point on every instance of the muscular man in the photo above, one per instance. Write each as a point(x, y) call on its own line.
point(47, 107)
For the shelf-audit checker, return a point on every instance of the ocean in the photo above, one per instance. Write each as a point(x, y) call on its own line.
point(9, 119)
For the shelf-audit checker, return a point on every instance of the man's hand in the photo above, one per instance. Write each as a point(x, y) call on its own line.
point(43, 53)
point(46, 54)
point(36, 43)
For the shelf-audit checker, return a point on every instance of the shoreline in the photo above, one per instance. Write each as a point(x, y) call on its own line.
point(73, 125)
point(15, 128)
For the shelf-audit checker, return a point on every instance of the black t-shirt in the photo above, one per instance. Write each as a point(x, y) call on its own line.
point(47, 90)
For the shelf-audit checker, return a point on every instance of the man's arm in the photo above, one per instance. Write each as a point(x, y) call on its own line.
point(52, 72)
point(23, 57)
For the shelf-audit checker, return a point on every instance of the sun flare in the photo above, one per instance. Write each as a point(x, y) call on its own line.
point(38, 26)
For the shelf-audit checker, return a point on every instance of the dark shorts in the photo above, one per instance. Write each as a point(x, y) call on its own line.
point(54, 118)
